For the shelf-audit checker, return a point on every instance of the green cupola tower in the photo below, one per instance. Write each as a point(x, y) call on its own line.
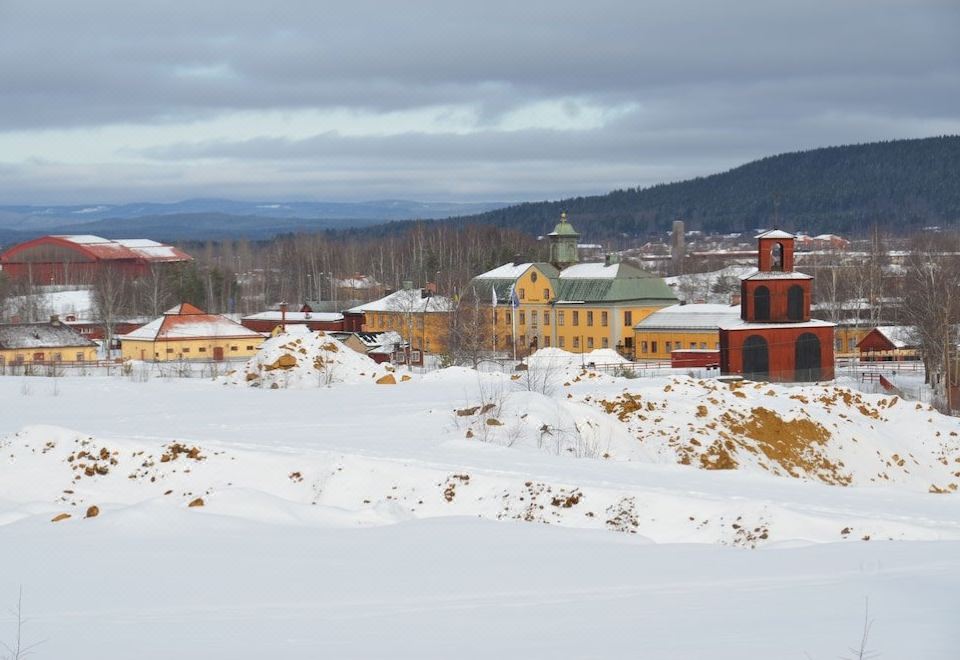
point(563, 244)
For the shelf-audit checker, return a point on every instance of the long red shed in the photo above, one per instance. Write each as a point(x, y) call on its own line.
point(78, 259)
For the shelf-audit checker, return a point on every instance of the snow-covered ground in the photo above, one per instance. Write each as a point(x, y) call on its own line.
point(547, 513)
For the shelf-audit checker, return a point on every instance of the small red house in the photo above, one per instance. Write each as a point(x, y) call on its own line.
point(267, 321)
point(887, 343)
point(775, 338)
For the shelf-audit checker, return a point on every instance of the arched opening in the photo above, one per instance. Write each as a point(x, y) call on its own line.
point(807, 357)
point(795, 303)
point(756, 358)
point(761, 303)
point(776, 257)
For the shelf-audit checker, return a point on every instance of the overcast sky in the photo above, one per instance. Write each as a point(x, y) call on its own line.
point(128, 100)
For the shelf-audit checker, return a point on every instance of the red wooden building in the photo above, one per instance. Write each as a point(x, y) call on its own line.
point(775, 338)
point(78, 259)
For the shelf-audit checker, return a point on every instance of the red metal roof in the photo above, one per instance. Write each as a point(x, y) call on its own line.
point(100, 249)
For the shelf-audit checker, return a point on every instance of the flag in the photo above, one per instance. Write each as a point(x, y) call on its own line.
point(514, 300)
point(493, 291)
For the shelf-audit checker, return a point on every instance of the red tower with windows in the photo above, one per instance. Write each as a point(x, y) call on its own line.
point(775, 339)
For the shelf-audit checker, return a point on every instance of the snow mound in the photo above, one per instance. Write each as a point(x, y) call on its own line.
point(309, 359)
point(830, 434)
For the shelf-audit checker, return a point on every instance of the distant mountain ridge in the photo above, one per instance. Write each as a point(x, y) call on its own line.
point(898, 185)
point(217, 218)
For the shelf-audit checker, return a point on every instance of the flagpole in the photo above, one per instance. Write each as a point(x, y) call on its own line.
point(493, 288)
point(514, 305)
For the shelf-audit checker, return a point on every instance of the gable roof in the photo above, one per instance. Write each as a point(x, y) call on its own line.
point(406, 300)
point(40, 335)
point(705, 316)
point(775, 233)
point(188, 322)
point(899, 336)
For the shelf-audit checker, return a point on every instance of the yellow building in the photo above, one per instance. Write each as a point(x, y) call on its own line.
point(564, 304)
point(43, 343)
point(188, 333)
point(681, 327)
point(420, 318)
point(846, 337)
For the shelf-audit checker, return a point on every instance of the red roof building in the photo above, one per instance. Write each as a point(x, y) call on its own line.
point(77, 259)
point(775, 339)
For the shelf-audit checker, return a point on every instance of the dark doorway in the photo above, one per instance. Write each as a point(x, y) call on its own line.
point(756, 358)
point(807, 357)
point(795, 303)
point(761, 304)
point(218, 353)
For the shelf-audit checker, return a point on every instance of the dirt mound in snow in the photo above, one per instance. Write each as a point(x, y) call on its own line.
point(826, 433)
point(303, 360)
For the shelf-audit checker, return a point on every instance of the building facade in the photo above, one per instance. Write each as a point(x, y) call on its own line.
point(693, 327)
point(775, 339)
point(43, 343)
point(80, 259)
point(420, 318)
point(186, 332)
point(578, 307)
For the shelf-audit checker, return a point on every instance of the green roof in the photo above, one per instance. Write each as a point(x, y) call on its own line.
point(563, 228)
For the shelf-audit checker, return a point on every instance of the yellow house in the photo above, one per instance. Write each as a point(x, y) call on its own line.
point(681, 327)
point(420, 318)
point(188, 333)
point(847, 336)
point(43, 343)
point(564, 304)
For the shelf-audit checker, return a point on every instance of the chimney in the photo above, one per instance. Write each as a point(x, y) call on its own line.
point(54, 319)
point(283, 317)
point(611, 258)
point(431, 287)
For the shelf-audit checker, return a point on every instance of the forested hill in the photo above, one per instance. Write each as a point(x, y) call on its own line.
point(899, 185)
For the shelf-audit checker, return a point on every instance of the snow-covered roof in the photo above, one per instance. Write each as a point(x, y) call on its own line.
point(775, 233)
point(739, 324)
point(125, 248)
point(901, 336)
point(506, 271)
point(693, 317)
point(40, 335)
point(594, 270)
point(189, 325)
point(406, 300)
point(295, 317)
point(777, 275)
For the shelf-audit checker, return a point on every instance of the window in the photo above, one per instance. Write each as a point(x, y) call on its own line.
point(233, 348)
point(415, 356)
point(716, 346)
point(628, 342)
point(495, 315)
point(589, 318)
point(576, 342)
point(533, 317)
point(653, 347)
point(38, 357)
point(420, 323)
point(643, 347)
point(603, 319)
point(169, 350)
point(533, 277)
point(851, 344)
point(563, 342)
point(18, 359)
point(186, 350)
point(703, 345)
point(605, 342)
point(508, 318)
point(546, 318)
point(546, 341)
point(693, 344)
point(57, 357)
point(560, 318)
point(523, 294)
point(576, 318)
point(546, 294)
point(628, 317)
point(249, 348)
point(838, 344)
point(589, 342)
point(669, 346)
point(202, 349)
point(523, 318)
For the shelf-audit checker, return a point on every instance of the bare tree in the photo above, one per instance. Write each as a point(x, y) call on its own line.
point(18, 649)
point(931, 301)
point(111, 288)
